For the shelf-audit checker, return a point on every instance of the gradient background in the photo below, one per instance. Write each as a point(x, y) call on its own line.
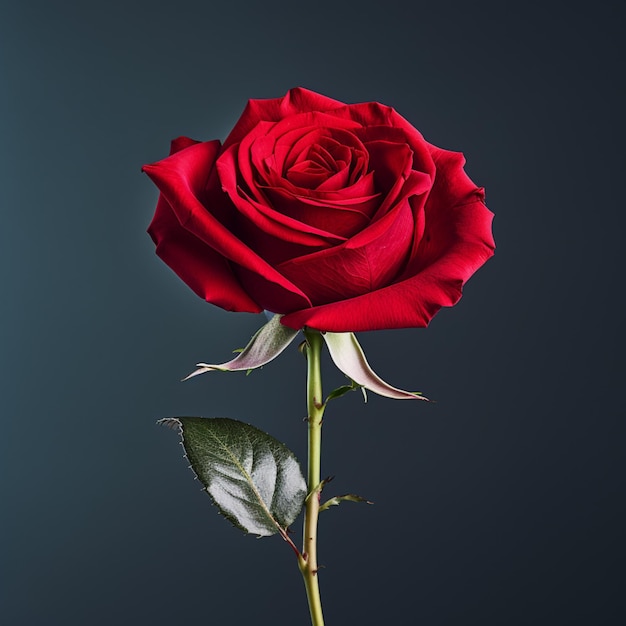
point(502, 504)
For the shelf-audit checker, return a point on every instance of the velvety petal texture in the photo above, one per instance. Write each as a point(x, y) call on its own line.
point(338, 217)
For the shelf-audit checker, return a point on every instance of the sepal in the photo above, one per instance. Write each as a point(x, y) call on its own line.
point(266, 344)
point(349, 357)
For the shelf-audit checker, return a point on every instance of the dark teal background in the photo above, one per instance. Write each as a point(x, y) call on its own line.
point(501, 504)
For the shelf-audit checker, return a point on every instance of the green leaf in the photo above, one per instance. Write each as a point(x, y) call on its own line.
point(349, 357)
point(267, 343)
point(335, 501)
point(254, 479)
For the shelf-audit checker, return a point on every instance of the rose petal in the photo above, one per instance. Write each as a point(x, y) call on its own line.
point(311, 175)
point(367, 114)
point(270, 296)
point(451, 182)
point(182, 180)
point(346, 271)
point(207, 273)
point(264, 217)
point(204, 270)
point(180, 143)
point(244, 171)
point(372, 114)
point(396, 163)
point(452, 188)
point(415, 184)
point(414, 301)
point(344, 217)
point(296, 101)
point(354, 196)
point(296, 135)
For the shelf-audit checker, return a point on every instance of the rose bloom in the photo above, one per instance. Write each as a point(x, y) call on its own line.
point(340, 217)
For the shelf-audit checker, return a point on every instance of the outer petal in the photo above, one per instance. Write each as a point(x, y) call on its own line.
point(180, 143)
point(451, 181)
point(182, 180)
point(414, 301)
point(206, 272)
point(452, 188)
point(297, 100)
point(367, 113)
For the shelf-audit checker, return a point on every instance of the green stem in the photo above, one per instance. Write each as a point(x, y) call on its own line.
point(308, 560)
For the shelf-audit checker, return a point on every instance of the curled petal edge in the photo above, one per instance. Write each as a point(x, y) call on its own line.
point(348, 356)
point(266, 344)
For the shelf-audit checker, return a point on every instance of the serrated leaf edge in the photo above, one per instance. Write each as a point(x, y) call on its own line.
point(176, 423)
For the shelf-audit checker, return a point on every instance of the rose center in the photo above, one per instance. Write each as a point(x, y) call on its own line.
point(326, 160)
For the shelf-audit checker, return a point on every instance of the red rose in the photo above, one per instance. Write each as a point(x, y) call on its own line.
point(341, 217)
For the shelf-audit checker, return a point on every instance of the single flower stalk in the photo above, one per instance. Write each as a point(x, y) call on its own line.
point(307, 561)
